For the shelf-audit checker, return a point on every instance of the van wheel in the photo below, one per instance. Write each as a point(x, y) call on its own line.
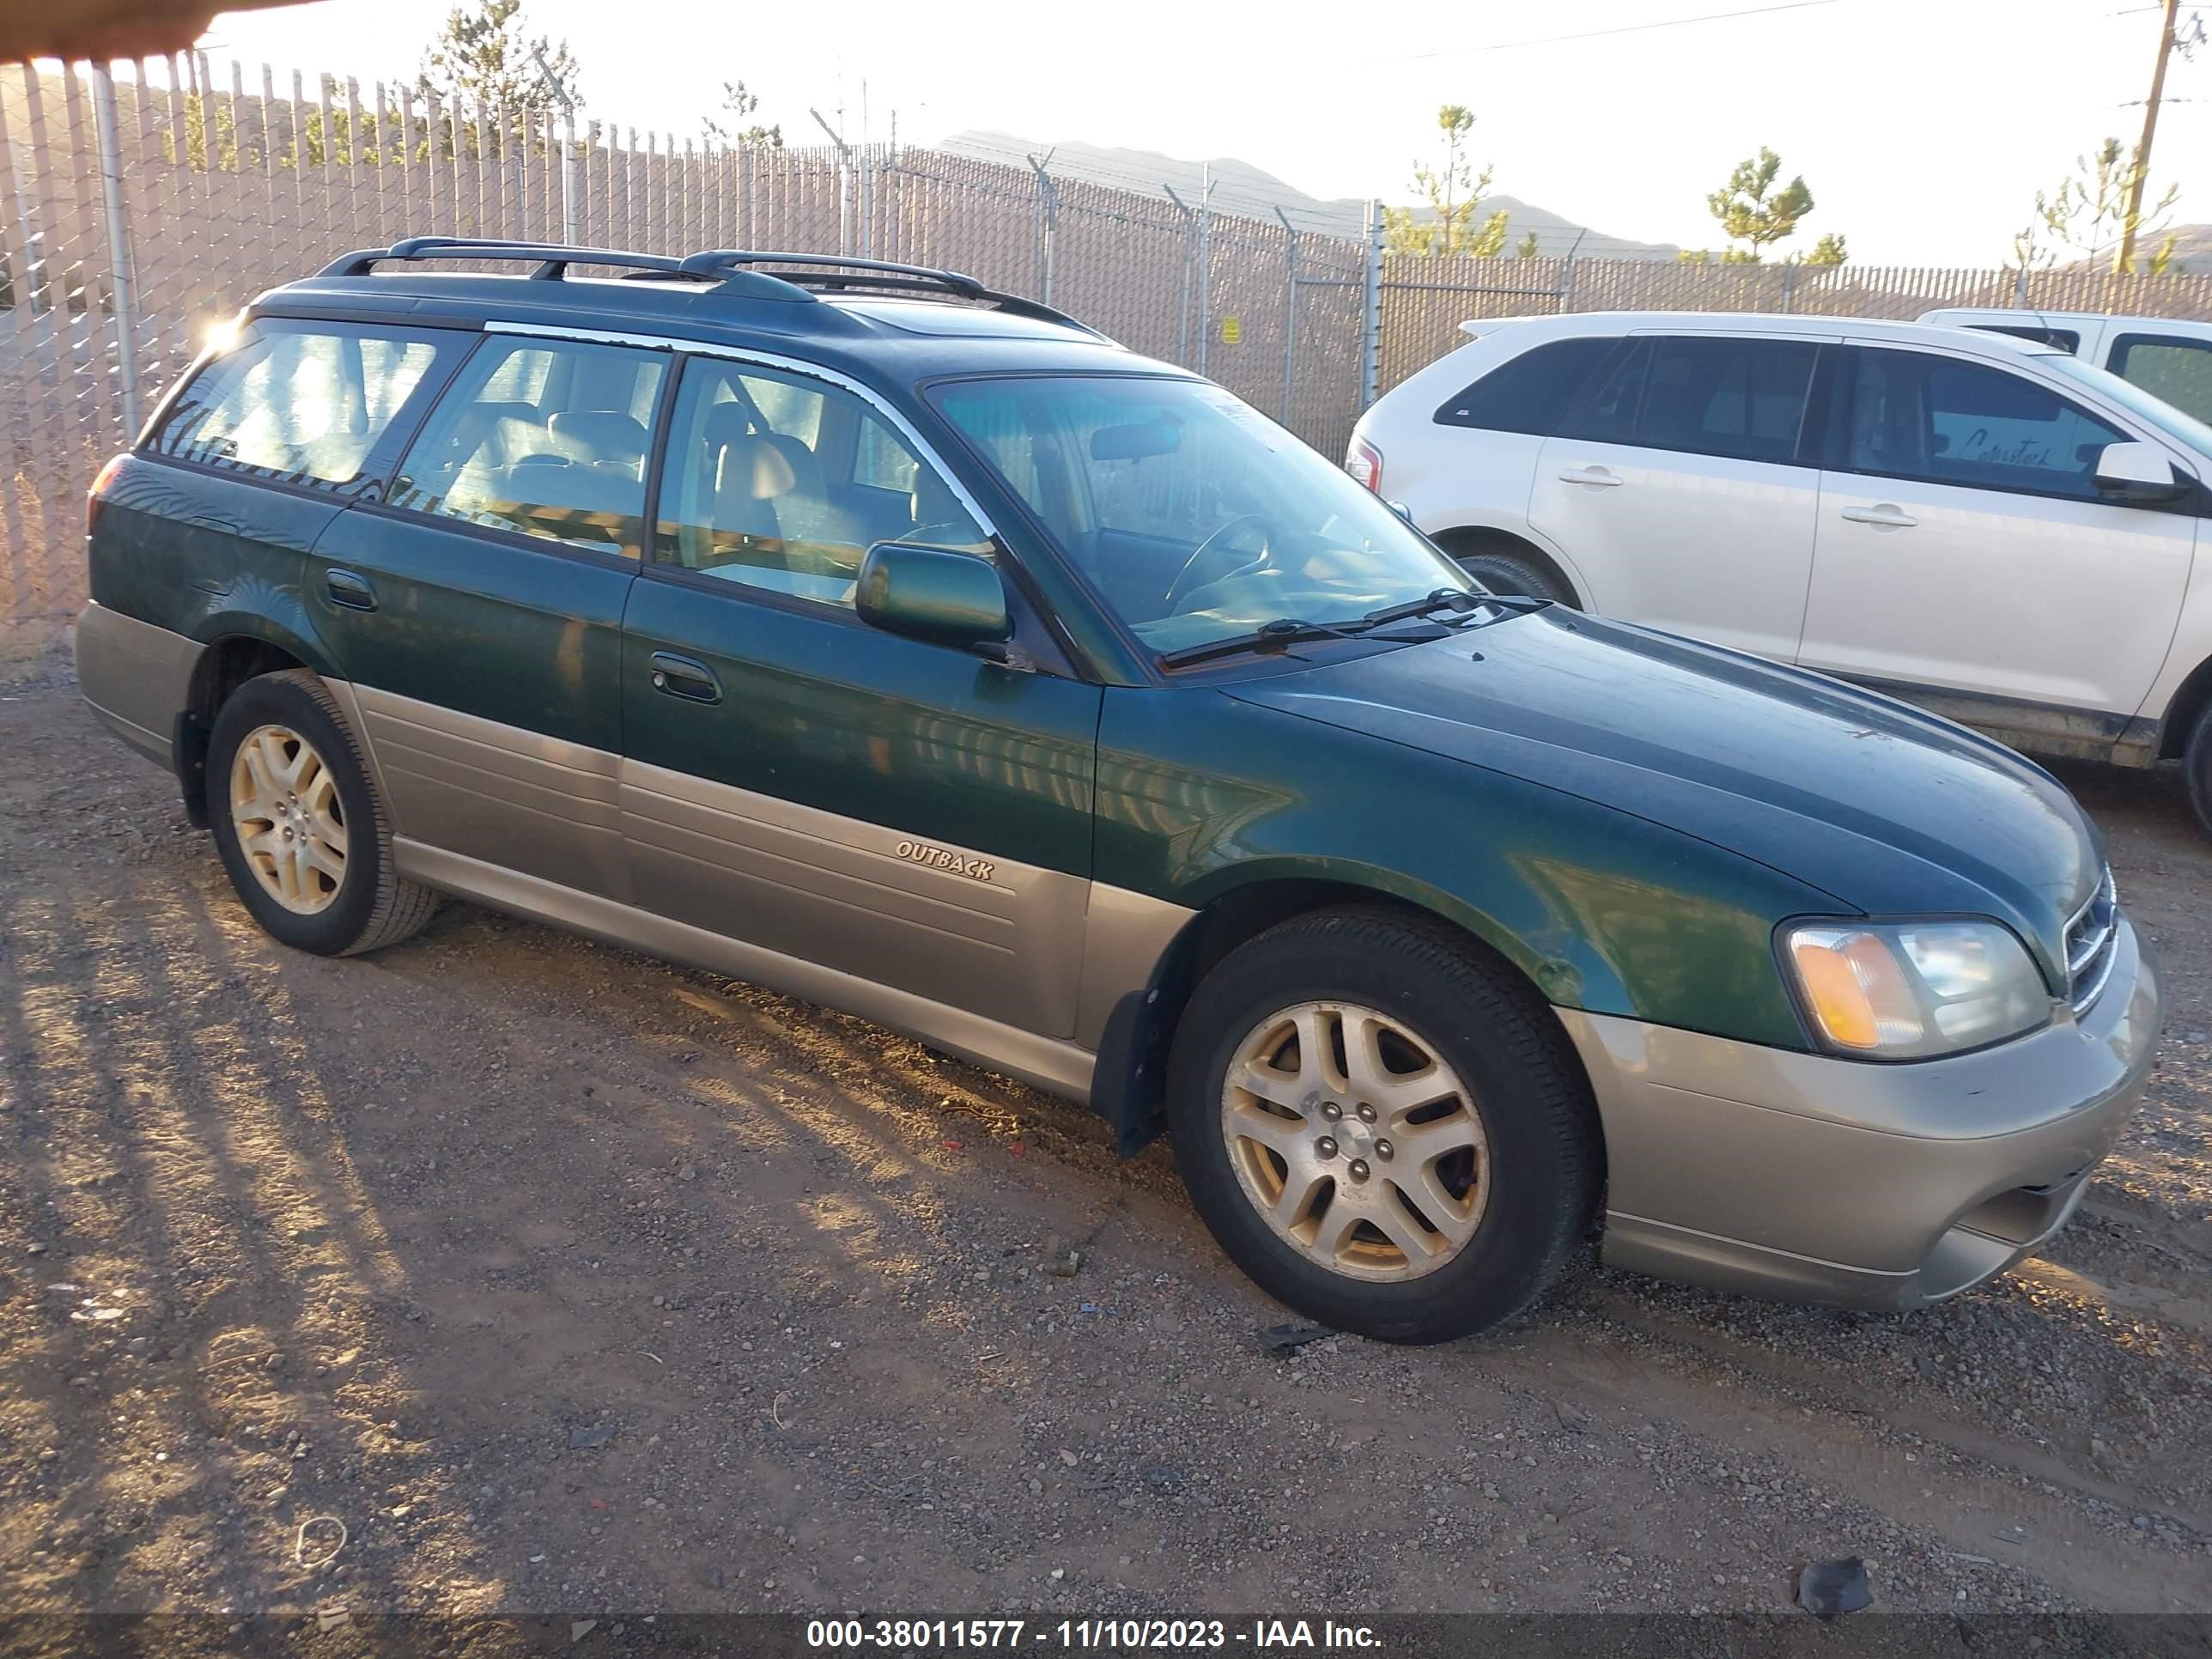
point(2197, 766)
point(1382, 1129)
point(305, 843)
point(1509, 572)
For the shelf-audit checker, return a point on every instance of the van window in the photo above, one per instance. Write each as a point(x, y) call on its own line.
point(301, 402)
point(783, 483)
point(1943, 420)
point(1738, 397)
point(2168, 367)
point(541, 437)
point(1530, 392)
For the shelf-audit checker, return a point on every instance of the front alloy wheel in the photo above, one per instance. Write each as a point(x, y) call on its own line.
point(1383, 1124)
point(1358, 1144)
point(291, 825)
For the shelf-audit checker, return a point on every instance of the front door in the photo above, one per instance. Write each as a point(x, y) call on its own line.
point(476, 610)
point(1680, 486)
point(903, 812)
point(1966, 558)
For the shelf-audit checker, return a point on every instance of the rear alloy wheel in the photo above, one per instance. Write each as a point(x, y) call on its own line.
point(307, 846)
point(1385, 1127)
point(1361, 1148)
point(290, 824)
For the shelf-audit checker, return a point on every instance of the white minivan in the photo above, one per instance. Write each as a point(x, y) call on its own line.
point(2168, 357)
point(1992, 528)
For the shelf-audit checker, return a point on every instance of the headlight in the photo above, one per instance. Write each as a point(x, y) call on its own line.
point(1910, 990)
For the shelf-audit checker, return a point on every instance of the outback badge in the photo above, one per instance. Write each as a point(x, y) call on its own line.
point(937, 857)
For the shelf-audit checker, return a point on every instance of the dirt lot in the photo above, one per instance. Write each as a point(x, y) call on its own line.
point(502, 1272)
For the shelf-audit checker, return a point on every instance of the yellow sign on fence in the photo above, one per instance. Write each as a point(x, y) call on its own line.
point(1232, 329)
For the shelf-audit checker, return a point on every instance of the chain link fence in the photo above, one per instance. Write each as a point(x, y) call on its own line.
point(142, 202)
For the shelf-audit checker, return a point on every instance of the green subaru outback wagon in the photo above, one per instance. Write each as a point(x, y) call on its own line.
point(853, 630)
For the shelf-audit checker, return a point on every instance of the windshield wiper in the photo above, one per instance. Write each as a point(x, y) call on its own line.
point(1457, 599)
point(1276, 634)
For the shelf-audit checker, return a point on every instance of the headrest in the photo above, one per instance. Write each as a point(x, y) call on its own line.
point(600, 434)
point(755, 468)
point(725, 424)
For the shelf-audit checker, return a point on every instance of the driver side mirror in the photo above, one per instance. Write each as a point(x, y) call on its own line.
point(933, 594)
point(2138, 475)
point(1402, 511)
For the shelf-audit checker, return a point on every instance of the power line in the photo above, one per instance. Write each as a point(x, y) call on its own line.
point(1593, 35)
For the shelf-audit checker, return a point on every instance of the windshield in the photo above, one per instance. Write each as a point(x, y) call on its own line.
point(1193, 515)
point(2183, 427)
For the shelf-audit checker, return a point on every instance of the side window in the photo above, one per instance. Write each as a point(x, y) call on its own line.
point(2178, 370)
point(1941, 420)
point(1530, 392)
point(782, 483)
point(546, 437)
point(1743, 398)
point(1605, 413)
point(300, 401)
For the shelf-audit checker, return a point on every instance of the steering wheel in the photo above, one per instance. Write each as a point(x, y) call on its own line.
point(1186, 578)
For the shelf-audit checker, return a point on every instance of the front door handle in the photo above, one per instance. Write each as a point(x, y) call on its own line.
point(350, 589)
point(680, 677)
point(1886, 516)
point(1591, 474)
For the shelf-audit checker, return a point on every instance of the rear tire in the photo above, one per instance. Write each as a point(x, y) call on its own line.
point(305, 842)
point(1420, 1158)
point(1514, 572)
point(2197, 766)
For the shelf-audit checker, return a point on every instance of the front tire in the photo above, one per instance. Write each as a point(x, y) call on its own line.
point(2197, 768)
point(305, 841)
point(1382, 1128)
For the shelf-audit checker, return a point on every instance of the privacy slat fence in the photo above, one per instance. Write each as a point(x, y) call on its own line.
point(141, 204)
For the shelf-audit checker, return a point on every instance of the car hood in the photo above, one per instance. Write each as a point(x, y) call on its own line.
point(1892, 810)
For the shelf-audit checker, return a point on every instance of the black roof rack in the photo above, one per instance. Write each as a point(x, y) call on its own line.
point(553, 260)
point(731, 270)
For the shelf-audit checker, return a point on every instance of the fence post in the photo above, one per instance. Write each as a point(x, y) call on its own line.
point(1182, 313)
point(2020, 286)
point(1048, 222)
point(1789, 283)
point(1370, 309)
point(1289, 315)
point(1205, 262)
point(124, 295)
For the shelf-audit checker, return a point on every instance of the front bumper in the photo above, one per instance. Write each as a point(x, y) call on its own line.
point(1885, 1187)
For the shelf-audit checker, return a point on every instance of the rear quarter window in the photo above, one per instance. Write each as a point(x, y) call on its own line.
point(1528, 393)
point(301, 402)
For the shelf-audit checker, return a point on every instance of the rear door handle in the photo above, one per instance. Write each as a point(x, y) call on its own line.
point(680, 677)
point(1887, 517)
point(349, 589)
point(1590, 474)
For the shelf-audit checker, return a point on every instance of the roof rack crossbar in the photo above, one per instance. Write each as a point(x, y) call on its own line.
point(844, 271)
point(552, 258)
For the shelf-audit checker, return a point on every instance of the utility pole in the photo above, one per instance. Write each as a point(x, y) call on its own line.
point(2125, 258)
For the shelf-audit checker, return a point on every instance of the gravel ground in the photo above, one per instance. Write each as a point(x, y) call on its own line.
point(504, 1273)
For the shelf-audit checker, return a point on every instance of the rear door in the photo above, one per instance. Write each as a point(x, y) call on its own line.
point(903, 812)
point(1966, 557)
point(256, 455)
point(477, 609)
point(1683, 486)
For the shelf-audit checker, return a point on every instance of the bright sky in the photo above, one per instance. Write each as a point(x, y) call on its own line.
point(1924, 127)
